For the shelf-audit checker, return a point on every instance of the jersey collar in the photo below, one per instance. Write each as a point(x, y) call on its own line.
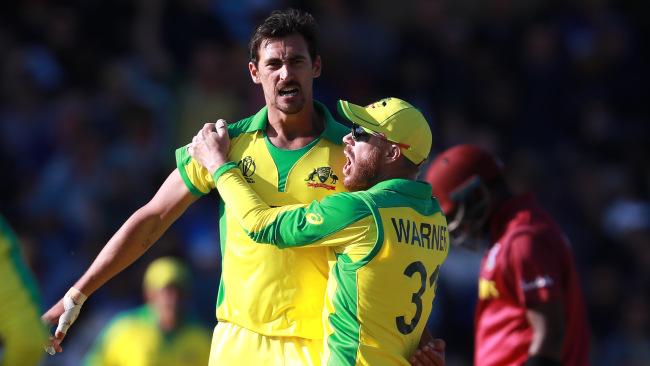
point(414, 188)
point(334, 131)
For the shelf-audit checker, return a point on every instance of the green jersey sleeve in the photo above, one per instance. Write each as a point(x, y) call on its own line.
point(334, 221)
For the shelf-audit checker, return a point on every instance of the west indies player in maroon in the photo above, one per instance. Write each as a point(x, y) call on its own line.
point(530, 309)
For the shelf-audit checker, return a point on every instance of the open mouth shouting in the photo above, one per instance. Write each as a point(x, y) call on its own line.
point(289, 91)
point(348, 163)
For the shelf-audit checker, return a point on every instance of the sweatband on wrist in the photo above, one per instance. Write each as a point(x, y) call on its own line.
point(222, 169)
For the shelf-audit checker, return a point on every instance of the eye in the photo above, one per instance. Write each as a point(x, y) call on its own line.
point(274, 64)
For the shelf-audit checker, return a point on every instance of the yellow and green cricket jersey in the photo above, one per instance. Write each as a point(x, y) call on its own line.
point(21, 332)
point(387, 245)
point(134, 338)
point(270, 291)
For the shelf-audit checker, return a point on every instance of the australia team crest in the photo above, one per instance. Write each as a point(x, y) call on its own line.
point(322, 177)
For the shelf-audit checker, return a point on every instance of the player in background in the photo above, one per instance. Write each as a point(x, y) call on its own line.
point(387, 238)
point(160, 332)
point(269, 301)
point(530, 309)
point(21, 332)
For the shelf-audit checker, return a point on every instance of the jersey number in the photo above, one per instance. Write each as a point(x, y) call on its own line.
point(416, 297)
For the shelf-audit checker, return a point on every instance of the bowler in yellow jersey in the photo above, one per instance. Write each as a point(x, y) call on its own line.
point(386, 240)
point(291, 153)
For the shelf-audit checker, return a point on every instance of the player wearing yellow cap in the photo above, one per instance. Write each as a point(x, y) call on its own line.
point(157, 333)
point(269, 301)
point(21, 333)
point(386, 241)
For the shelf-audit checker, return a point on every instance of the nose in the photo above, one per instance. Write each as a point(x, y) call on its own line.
point(347, 139)
point(284, 72)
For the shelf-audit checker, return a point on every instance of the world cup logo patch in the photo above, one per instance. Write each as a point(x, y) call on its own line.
point(318, 178)
point(247, 167)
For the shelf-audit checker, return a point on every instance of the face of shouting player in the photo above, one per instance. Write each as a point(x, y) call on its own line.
point(363, 162)
point(286, 72)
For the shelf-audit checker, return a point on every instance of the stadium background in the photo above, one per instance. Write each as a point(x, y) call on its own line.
point(96, 95)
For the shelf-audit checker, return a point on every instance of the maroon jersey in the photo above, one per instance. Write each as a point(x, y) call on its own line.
point(529, 262)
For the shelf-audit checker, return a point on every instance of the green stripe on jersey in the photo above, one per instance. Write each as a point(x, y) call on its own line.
point(344, 341)
point(10, 242)
point(413, 194)
point(249, 124)
point(305, 225)
point(372, 206)
point(183, 158)
point(223, 233)
point(285, 159)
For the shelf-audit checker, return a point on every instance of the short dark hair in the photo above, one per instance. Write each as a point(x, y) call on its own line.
point(283, 23)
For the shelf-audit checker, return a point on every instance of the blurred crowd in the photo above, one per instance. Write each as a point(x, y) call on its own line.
point(96, 95)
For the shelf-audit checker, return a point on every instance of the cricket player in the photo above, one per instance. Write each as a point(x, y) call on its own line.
point(158, 333)
point(270, 300)
point(22, 334)
point(530, 309)
point(386, 240)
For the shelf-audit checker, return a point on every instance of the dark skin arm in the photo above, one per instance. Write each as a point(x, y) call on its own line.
point(547, 321)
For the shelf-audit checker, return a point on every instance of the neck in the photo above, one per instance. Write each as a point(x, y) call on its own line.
point(167, 321)
point(293, 131)
point(393, 172)
point(499, 195)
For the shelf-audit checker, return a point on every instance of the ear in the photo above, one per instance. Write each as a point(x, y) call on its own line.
point(255, 73)
point(393, 153)
point(316, 67)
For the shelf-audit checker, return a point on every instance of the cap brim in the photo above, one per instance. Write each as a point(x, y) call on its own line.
point(357, 114)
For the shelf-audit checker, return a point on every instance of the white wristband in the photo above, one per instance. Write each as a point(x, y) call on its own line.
point(72, 301)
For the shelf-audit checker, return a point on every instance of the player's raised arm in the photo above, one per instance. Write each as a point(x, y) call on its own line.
point(137, 234)
point(286, 226)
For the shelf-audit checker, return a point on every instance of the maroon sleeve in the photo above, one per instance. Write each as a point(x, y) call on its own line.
point(536, 263)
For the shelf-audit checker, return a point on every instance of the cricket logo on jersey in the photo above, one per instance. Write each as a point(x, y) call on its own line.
point(319, 177)
point(247, 167)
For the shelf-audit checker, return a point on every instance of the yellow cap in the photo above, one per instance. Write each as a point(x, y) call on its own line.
point(166, 271)
point(396, 120)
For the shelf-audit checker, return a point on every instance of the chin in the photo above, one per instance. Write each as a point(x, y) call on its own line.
point(291, 108)
point(354, 185)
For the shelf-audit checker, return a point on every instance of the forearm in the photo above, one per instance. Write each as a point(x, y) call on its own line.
point(252, 213)
point(547, 322)
point(547, 345)
point(138, 233)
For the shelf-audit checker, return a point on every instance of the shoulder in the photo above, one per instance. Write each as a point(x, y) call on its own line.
point(334, 130)
point(249, 124)
point(241, 127)
point(534, 240)
point(336, 211)
point(350, 201)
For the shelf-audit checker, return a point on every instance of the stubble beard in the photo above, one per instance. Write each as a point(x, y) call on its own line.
point(290, 108)
point(364, 173)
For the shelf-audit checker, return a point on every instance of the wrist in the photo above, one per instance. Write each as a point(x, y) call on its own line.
point(76, 296)
point(216, 164)
point(222, 169)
